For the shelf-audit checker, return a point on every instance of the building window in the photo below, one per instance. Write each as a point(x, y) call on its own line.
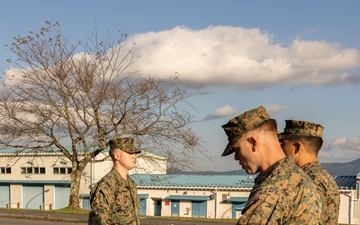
point(32, 170)
point(5, 170)
point(29, 170)
point(62, 170)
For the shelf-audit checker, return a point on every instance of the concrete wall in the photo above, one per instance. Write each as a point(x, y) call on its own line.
point(356, 216)
point(49, 196)
point(216, 207)
point(92, 173)
point(219, 208)
point(344, 207)
point(46, 161)
point(15, 199)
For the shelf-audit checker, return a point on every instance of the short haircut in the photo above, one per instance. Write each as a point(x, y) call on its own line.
point(267, 125)
point(312, 144)
point(112, 151)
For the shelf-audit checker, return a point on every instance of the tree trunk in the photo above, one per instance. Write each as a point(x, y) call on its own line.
point(74, 201)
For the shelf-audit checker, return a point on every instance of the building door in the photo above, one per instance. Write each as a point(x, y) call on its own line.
point(4, 196)
point(86, 203)
point(199, 209)
point(142, 207)
point(175, 207)
point(233, 211)
point(157, 207)
point(33, 196)
point(237, 207)
point(62, 194)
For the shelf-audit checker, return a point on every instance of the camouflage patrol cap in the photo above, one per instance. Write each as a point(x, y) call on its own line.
point(124, 144)
point(241, 124)
point(301, 128)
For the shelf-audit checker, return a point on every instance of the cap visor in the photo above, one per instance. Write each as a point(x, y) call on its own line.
point(283, 135)
point(228, 150)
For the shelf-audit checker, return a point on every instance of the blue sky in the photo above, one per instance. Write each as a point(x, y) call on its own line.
point(299, 59)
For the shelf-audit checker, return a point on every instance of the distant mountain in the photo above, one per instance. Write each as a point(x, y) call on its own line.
point(233, 172)
point(343, 169)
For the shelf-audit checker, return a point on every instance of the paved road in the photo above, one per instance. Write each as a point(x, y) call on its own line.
point(159, 221)
point(29, 217)
point(16, 221)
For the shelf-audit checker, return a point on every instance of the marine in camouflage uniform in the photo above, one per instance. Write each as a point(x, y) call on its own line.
point(328, 188)
point(285, 196)
point(113, 199)
point(283, 193)
point(308, 132)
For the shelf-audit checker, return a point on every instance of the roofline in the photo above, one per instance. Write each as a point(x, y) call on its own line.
point(59, 182)
point(139, 187)
point(347, 190)
point(20, 154)
point(59, 153)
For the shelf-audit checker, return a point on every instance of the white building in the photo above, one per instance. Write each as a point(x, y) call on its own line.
point(42, 182)
point(349, 187)
point(221, 196)
point(207, 196)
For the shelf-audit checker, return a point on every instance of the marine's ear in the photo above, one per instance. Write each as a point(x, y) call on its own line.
point(252, 141)
point(297, 147)
point(117, 154)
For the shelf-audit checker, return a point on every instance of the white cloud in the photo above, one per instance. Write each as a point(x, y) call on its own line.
point(340, 150)
point(338, 156)
point(228, 111)
point(222, 56)
point(224, 111)
point(13, 76)
point(247, 58)
point(273, 108)
point(351, 143)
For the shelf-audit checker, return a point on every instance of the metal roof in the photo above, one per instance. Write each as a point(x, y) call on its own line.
point(188, 197)
point(216, 181)
point(143, 196)
point(237, 199)
point(240, 207)
point(195, 181)
point(346, 182)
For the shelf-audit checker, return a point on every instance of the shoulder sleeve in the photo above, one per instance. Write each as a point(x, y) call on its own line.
point(101, 200)
point(134, 194)
point(261, 208)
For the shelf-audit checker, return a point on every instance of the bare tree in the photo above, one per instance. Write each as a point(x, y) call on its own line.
point(74, 97)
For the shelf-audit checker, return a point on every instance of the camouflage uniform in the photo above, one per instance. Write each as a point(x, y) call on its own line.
point(113, 199)
point(326, 185)
point(286, 194)
point(328, 188)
